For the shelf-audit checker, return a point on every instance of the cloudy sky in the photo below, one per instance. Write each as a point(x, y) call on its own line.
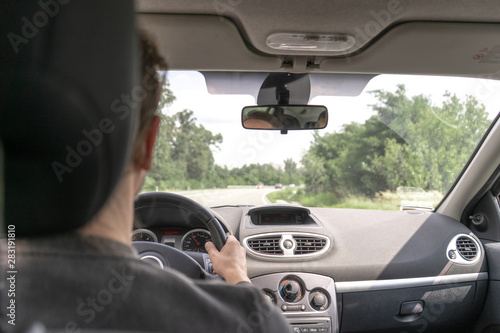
point(221, 113)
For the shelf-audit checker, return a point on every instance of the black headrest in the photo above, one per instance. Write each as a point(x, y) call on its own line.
point(69, 74)
point(2, 226)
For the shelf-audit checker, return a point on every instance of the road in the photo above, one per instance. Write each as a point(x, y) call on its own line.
point(230, 196)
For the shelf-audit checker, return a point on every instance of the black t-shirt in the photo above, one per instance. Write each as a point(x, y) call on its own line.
point(74, 282)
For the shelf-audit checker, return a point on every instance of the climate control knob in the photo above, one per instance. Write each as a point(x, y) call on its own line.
point(291, 290)
point(268, 296)
point(318, 300)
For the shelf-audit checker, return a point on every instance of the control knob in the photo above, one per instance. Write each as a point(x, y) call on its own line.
point(318, 300)
point(291, 290)
point(268, 296)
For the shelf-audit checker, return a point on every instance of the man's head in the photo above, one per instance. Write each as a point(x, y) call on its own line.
point(115, 219)
point(256, 119)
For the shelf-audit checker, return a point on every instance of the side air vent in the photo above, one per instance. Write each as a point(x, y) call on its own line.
point(286, 245)
point(307, 245)
point(463, 249)
point(467, 248)
point(266, 245)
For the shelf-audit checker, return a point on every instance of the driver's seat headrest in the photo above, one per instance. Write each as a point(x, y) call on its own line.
point(68, 116)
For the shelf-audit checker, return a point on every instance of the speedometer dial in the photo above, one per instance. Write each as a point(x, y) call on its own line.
point(195, 240)
point(143, 235)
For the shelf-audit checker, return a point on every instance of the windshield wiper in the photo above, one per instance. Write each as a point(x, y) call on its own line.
point(235, 206)
point(415, 207)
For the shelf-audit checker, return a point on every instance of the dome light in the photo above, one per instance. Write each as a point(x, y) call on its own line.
point(310, 42)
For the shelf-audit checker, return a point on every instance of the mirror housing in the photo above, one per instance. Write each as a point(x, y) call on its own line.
point(284, 117)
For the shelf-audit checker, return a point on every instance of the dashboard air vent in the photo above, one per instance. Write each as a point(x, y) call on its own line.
point(308, 245)
point(463, 249)
point(467, 248)
point(266, 245)
point(291, 245)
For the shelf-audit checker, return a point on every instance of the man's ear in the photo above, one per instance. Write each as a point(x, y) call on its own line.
point(149, 143)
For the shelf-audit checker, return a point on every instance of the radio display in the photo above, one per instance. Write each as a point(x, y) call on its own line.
point(280, 218)
point(280, 215)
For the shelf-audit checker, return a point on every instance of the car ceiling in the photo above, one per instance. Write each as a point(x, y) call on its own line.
point(422, 37)
point(438, 37)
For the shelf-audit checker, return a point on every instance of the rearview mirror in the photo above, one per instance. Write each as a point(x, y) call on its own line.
point(284, 117)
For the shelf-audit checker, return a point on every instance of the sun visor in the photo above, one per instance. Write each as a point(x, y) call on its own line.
point(303, 87)
point(463, 49)
point(203, 42)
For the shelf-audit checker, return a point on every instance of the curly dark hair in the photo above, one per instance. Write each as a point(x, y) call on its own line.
point(151, 83)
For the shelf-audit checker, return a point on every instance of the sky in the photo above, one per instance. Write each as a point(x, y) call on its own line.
point(222, 113)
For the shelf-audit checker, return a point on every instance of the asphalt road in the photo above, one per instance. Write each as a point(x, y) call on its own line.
point(230, 196)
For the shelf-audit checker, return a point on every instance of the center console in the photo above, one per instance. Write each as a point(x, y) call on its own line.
point(308, 301)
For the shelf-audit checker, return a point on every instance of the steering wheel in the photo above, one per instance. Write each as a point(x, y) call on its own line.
point(153, 207)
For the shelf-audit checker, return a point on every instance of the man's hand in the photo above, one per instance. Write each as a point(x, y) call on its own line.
point(230, 263)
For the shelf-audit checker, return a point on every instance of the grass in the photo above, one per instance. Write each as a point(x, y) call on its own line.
point(288, 195)
point(360, 202)
point(382, 201)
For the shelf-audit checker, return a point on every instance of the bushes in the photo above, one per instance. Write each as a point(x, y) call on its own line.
point(299, 196)
point(289, 195)
point(319, 200)
point(409, 142)
point(382, 201)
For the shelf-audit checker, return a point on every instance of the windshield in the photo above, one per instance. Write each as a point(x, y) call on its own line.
point(402, 142)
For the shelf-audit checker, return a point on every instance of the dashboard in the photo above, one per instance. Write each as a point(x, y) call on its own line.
point(332, 270)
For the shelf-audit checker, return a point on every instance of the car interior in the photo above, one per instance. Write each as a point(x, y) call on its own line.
point(416, 269)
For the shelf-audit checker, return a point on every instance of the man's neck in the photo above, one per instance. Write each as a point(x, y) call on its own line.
point(115, 219)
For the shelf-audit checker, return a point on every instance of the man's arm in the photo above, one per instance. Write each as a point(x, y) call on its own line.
point(230, 263)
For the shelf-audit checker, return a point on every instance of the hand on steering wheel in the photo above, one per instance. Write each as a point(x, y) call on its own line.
point(230, 262)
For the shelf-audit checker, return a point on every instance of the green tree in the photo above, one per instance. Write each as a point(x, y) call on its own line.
point(191, 144)
point(164, 169)
point(401, 165)
point(442, 138)
point(291, 172)
point(315, 175)
point(409, 142)
point(183, 155)
point(347, 158)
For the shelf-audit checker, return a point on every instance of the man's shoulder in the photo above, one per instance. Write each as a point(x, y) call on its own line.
point(240, 307)
point(113, 291)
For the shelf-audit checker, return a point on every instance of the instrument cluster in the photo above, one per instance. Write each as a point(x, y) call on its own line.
point(184, 239)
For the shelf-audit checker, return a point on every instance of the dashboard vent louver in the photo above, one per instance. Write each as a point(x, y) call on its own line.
point(464, 249)
point(308, 245)
point(290, 245)
point(467, 248)
point(266, 245)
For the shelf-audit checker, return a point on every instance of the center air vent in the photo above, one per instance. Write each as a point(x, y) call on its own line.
point(307, 245)
point(463, 249)
point(266, 245)
point(288, 245)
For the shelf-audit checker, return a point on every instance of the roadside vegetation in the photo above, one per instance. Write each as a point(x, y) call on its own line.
point(409, 149)
point(387, 200)
point(183, 158)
